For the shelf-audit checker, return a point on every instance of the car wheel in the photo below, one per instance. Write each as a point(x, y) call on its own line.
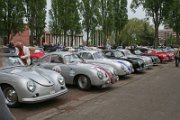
point(83, 82)
point(11, 97)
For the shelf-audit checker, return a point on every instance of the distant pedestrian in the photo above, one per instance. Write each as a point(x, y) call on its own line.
point(11, 47)
point(177, 56)
point(23, 52)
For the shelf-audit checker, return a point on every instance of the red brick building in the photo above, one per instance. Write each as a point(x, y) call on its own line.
point(24, 37)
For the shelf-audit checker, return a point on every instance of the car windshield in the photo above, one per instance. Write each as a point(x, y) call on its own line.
point(127, 52)
point(98, 55)
point(138, 52)
point(165, 50)
point(118, 54)
point(11, 61)
point(158, 50)
point(72, 58)
point(149, 51)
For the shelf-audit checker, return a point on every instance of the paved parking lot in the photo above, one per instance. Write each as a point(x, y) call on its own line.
point(77, 104)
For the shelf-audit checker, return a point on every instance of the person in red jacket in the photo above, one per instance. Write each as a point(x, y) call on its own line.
point(23, 52)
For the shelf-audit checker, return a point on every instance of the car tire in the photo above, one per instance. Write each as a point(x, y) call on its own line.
point(83, 82)
point(11, 97)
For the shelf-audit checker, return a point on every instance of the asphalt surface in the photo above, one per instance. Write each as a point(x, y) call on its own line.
point(154, 95)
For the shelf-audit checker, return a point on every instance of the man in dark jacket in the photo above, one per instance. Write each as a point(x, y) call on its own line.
point(5, 114)
point(177, 56)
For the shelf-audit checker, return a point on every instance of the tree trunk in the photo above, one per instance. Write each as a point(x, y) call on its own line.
point(87, 41)
point(156, 41)
point(116, 37)
point(177, 38)
point(72, 38)
point(65, 38)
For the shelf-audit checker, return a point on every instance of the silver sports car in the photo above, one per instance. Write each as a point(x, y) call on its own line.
point(28, 84)
point(122, 67)
point(75, 71)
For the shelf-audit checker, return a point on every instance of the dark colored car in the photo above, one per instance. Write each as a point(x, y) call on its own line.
point(154, 58)
point(137, 63)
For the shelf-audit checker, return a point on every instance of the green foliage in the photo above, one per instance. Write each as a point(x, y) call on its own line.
point(137, 32)
point(157, 9)
point(173, 18)
point(120, 16)
point(35, 16)
point(11, 17)
point(89, 11)
point(64, 17)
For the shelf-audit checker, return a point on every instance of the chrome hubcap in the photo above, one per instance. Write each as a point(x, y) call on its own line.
point(82, 82)
point(11, 96)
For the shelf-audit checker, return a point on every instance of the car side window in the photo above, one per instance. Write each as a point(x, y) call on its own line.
point(108, 54)
point(56, 59)
point(46, 59)
point(87, 56)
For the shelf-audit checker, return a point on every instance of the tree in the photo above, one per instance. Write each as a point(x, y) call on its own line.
point(35, 16)
point(89, 9)
point(173, 18)
point(137, 32)
point(107, 18)
point(157, 9)
point(120, 16)
point(11, 18)
point(64, 17)
point(55, 20)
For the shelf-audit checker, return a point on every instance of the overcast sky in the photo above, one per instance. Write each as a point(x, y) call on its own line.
point(138, 14)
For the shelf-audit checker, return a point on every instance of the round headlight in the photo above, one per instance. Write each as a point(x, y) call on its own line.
point(31, 86)
point(100, 74)
point(61, 80)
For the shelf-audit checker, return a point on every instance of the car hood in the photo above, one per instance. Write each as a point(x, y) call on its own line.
point(39, 76)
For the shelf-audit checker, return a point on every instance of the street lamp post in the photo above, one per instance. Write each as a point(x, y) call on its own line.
point(98, 28)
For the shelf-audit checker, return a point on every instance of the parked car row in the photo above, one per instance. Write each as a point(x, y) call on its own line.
point(49, 73)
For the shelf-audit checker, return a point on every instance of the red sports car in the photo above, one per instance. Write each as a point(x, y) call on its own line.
point(36, 53)
point(162, 56)
point(169, 54)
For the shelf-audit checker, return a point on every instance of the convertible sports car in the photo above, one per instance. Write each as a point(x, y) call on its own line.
point(75, 71)
point(162, 56)
point(28, 84)
point(36, 53)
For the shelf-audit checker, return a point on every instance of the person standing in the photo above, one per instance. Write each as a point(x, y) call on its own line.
point(11, 47)
point(23, 52)
point(5, 113)
point(177, 56)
